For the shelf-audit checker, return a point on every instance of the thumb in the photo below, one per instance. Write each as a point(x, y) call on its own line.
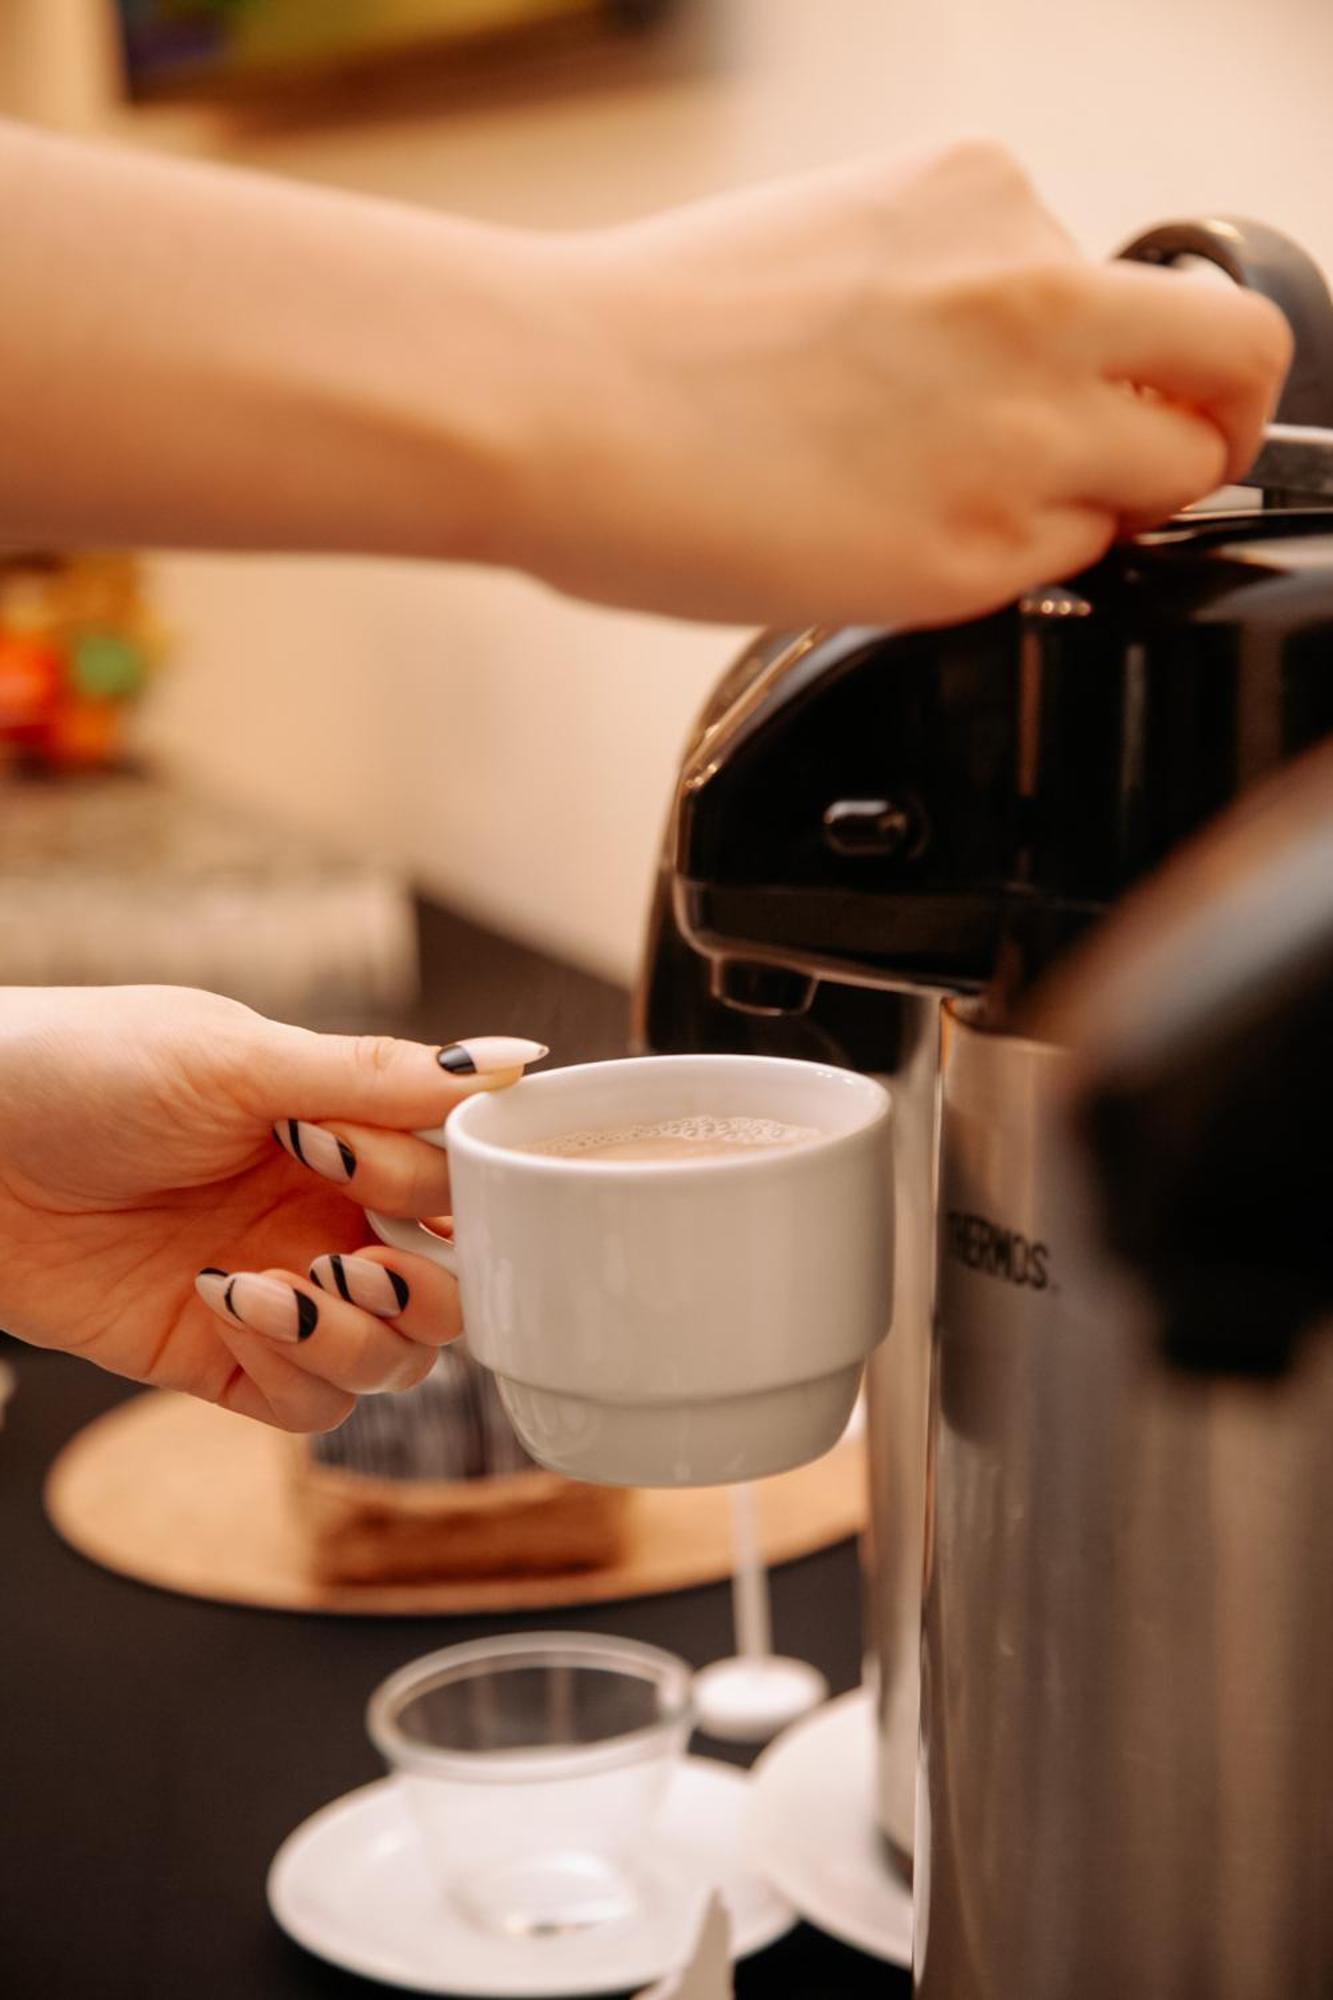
point(376, 1079)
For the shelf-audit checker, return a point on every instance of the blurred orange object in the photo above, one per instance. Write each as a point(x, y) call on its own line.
point(31, 674)
point(78, 646)
point(83, 731)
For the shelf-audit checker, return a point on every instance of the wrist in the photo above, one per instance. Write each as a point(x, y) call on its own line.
point(392, 400)
point(405, 413)
point(450, 404)
point(519, 402)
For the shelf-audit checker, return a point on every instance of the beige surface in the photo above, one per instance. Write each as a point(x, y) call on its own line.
point(186, 1497)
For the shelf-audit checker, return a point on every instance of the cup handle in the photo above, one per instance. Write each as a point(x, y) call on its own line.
point(402, 1232)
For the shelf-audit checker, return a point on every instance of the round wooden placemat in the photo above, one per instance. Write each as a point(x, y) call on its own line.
point(190, 1498)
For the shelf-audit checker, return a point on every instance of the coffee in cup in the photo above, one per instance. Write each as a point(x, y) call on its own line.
point(704, 1136)
point(675, 1266)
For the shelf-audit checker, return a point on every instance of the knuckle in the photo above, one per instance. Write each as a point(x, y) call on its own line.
point(426, 1186)
point(333, 1413)
point(414, 1370)
point(1203, 467)
point(1021, 311)
point(393, 1189)
point(1023, 445)
point(1211, 450)
point(375, 1054)
point(294, 1424)
point(376, 1361)
point(1036, 307)
point(1051, 295)
point(1092, 538)
point(358, 1368)
point(1270, 338)
point(969, 306)
point(962, 577)
point(319, 1407)
point(1019, 462)
point(978, 519)
point(409, 1186)
point(1191, 460)
point(976, 156)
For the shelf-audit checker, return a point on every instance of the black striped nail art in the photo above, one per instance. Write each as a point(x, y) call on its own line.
point(268, 1306)
point(288, 1134)
point(343, 1284)
point(456, 1060)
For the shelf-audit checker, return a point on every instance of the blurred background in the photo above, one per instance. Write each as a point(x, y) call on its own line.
point(509, 752)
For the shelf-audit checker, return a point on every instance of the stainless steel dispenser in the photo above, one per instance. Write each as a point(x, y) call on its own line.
point(881, 844)
point(1127, 1693)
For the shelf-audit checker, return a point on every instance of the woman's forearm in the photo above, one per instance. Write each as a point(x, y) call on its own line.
point(192, 356)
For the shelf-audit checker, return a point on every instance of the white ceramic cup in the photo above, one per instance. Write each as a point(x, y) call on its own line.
point(675, 1322)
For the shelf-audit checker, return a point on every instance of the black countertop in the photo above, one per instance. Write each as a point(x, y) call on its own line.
point(155, 1750)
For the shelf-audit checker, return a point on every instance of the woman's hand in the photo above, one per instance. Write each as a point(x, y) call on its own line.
point(172, 1165)
point(889, 394)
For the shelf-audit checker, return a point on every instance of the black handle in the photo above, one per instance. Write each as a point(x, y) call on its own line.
point(1264, 260)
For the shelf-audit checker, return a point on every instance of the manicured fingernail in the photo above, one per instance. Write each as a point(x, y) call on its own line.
point(482, 1055)
point(265, 1305)
point(362, 1282)
point(323, 1152)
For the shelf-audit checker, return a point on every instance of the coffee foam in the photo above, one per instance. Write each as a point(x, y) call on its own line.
point(704, 1129)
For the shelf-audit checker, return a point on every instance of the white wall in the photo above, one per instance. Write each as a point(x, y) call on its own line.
point(516, 751)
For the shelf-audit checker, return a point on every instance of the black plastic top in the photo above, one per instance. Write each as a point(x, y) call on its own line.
point(1024, 771)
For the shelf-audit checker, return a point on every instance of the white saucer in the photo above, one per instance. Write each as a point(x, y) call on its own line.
point(812, 1830)
point(352, 1886)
